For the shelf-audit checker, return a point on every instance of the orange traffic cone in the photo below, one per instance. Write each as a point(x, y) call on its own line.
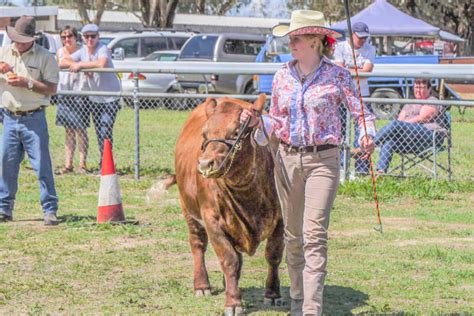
point(110, 201)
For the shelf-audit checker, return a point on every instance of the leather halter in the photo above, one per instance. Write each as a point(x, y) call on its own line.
point(234, 145)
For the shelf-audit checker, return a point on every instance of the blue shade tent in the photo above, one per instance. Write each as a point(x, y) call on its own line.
point(384, 19)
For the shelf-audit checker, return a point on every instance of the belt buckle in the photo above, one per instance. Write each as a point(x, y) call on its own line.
point(301, 150)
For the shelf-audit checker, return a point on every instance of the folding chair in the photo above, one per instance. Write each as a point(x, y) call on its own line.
point(428, 159)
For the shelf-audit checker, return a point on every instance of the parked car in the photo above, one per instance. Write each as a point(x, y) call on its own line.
point(227, 47)
point(137, 45)
point(149, 82)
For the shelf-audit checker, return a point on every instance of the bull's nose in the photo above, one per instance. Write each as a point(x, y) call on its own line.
point(205, 164)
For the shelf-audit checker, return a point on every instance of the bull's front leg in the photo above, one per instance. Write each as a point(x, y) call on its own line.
point(231, 262)
point(273, 255)
point(198, 241)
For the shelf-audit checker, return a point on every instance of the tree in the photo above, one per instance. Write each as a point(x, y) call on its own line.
point(455, 16)
point(84, 5)
point(158, 13)
point(217, 7)
point(153, 13)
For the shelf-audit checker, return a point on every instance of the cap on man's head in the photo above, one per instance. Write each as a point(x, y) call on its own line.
point(360, 29)
point(90, 28)
point(24, 30)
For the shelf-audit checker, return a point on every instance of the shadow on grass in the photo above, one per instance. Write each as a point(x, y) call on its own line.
point(253, 300)
point(72, 218)
point(338, 300)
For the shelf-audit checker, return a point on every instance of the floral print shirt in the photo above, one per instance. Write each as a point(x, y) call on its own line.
point(305, 114)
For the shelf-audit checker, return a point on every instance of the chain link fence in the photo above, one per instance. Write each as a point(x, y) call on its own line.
point(146, 125)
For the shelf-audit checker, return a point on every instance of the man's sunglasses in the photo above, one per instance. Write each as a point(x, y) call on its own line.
point(92, 36)
point(66, 36)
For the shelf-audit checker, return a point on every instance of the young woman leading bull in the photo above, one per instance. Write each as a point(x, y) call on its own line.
point(304, 115)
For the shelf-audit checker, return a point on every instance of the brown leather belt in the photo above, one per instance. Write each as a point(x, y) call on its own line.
point(307, 149)
point(25, 113)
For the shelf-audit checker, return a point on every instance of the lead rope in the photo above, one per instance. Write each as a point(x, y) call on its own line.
point(374, 185)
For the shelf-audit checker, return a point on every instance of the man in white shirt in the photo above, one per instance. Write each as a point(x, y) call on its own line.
point(365, 57)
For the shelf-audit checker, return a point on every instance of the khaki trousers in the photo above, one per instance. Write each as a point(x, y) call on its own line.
point(307, 184)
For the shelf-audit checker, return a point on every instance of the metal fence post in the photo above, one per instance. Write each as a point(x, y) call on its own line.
point(346, 163)
point(136, 107)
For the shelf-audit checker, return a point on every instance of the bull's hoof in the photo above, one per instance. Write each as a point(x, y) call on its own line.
point(201, 293)
point(272, 301)
point(234, 311)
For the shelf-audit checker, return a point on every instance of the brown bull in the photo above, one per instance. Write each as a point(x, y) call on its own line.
point(231, 201)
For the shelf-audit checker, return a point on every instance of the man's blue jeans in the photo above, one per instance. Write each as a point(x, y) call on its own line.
point(401, 137)
point(26, 134)
point(103, 116)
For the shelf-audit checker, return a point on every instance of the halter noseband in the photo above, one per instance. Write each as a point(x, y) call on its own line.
point(234, 144)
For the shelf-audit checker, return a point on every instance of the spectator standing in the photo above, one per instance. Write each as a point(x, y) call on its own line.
point(304, 114)
point(104, 109)
point(365, 58)
point(72, 112)
point(30, 76)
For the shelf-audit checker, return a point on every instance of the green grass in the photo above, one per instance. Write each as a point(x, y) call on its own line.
point(422, 264)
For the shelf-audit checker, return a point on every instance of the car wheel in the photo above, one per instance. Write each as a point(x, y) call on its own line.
point(389, 110)
point(180, 104)
point(250, 89)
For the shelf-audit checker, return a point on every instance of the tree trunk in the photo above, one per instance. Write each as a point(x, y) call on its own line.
point(169, 12)
point(200, 6)
point(82, 10)
point(100, 11)
point(83, 5)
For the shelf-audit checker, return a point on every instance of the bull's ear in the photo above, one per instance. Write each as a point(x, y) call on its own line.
point(259, 103)
point(210, 106)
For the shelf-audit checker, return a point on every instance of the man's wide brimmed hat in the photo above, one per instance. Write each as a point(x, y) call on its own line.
point(305, 22)
point(24, 30)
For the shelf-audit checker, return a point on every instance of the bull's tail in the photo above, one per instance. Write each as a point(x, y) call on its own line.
point(159, 189)
point(169, 181)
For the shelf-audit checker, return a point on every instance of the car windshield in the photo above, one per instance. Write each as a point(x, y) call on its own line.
point(279, 46)
point(159, 56)
point(201, 47)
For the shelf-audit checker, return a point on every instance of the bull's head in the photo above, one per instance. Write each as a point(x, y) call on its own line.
point(223, 134)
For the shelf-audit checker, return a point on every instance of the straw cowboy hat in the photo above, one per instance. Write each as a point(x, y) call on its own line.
point(24, 30)
point(305, 22)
